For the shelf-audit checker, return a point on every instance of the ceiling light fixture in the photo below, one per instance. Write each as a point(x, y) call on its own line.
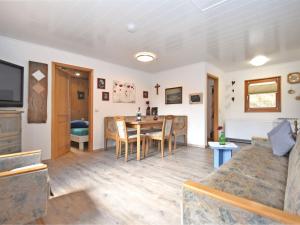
point(131, 28)
point(145, 56)
point(208, 7)
point(77, 74)
point(259, 60)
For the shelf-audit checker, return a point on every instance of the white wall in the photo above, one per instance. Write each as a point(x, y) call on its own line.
point(234, 111)
point(193, 79)
point(38, 136)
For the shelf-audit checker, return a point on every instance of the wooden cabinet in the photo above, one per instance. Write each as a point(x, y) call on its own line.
point(10, 132)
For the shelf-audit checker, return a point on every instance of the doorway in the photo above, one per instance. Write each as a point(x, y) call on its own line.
point(63, 83)
point(212, 108)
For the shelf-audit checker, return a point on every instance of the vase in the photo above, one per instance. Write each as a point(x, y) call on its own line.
point(222, 138)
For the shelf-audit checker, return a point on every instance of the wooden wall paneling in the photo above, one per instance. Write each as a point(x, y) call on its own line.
point(37, 92)
point(216, 105)
point(79, 107)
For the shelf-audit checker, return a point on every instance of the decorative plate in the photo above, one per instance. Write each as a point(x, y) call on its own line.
point(294, 78)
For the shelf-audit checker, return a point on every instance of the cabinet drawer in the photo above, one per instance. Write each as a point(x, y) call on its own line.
point(10, 141)
point(10, 149)
point(10, 124)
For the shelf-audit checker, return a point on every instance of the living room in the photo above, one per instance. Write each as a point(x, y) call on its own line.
point(185, 43)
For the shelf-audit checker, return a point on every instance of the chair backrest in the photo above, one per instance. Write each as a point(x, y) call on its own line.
point(121, 126)
point(167, 126)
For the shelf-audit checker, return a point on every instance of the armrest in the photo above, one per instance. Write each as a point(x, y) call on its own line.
point(22, 170)
point(21, 159)
point(245, 204)
point(24, 194)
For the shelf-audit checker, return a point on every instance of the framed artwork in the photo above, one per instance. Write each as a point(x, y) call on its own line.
point(101, 83)
point(123, 92)
point(80, 95)
point(154, 111)
point(173, 95)
point(196, 98)
point(105, 96)
point(145, 94)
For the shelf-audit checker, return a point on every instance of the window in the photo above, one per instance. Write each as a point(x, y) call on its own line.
point(263, 95)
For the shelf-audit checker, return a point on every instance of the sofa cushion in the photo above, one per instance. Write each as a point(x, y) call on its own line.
point(281, 138)
point(253, 173)
point(261, 142)
point(246, 187)
point(292, 193)
point(260, 164)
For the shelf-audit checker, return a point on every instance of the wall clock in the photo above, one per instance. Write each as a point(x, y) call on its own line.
point(294, 78)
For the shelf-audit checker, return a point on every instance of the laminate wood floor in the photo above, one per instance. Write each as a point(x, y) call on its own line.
point(95, 188)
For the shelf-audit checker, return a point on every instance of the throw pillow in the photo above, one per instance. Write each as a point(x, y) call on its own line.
point(281, 138)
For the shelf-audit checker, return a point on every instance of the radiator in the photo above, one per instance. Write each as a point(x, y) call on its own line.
point(244, 130)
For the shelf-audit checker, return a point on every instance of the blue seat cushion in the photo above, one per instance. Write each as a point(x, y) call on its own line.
point(79, 124)
point(80, 131)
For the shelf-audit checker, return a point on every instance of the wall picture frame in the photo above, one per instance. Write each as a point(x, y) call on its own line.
point(80, 95)
point(101, 83)
point(145, 94)
point(173, 95)
point(123, 92)
point(105, 96)
point(196, 98)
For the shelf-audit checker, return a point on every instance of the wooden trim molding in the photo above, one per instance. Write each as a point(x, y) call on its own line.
point(23, 170)
point(91, 110)
point(252, 206)
point(90, 104)
point(216, 104)
point(20, 154)
point(278, 95)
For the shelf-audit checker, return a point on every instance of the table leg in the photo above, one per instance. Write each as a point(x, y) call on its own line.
point(138, 143)
point(216, 158)
point(221, 156)
point(227, 154)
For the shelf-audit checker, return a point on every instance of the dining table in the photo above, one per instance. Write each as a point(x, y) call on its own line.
point(138, 125)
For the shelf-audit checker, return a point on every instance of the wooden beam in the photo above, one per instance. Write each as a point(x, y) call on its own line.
point(252, 206)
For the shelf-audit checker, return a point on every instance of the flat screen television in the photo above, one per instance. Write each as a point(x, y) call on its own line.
point(11, 84)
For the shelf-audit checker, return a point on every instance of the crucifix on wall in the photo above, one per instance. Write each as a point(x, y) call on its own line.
point(157, 86)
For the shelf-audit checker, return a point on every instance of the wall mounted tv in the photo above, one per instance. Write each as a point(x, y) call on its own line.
point(11, 84)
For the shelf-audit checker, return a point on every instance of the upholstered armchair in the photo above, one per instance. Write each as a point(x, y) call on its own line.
point(24, 188)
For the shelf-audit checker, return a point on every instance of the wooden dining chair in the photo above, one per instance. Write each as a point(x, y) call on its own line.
point(124, 137)
point(165, 133)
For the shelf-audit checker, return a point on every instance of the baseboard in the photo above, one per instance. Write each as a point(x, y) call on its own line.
point(100, 149)
point(236, 140)
point(196, 146)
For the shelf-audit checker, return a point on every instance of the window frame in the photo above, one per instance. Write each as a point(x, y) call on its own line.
point(277, 108)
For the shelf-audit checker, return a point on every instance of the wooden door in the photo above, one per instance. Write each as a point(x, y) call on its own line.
point(214, 105)
point(61, 113)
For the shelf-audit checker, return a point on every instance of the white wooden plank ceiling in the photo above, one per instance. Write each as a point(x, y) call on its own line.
point(178, 31)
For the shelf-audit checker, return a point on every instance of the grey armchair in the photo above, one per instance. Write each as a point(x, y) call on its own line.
point(24, 188)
